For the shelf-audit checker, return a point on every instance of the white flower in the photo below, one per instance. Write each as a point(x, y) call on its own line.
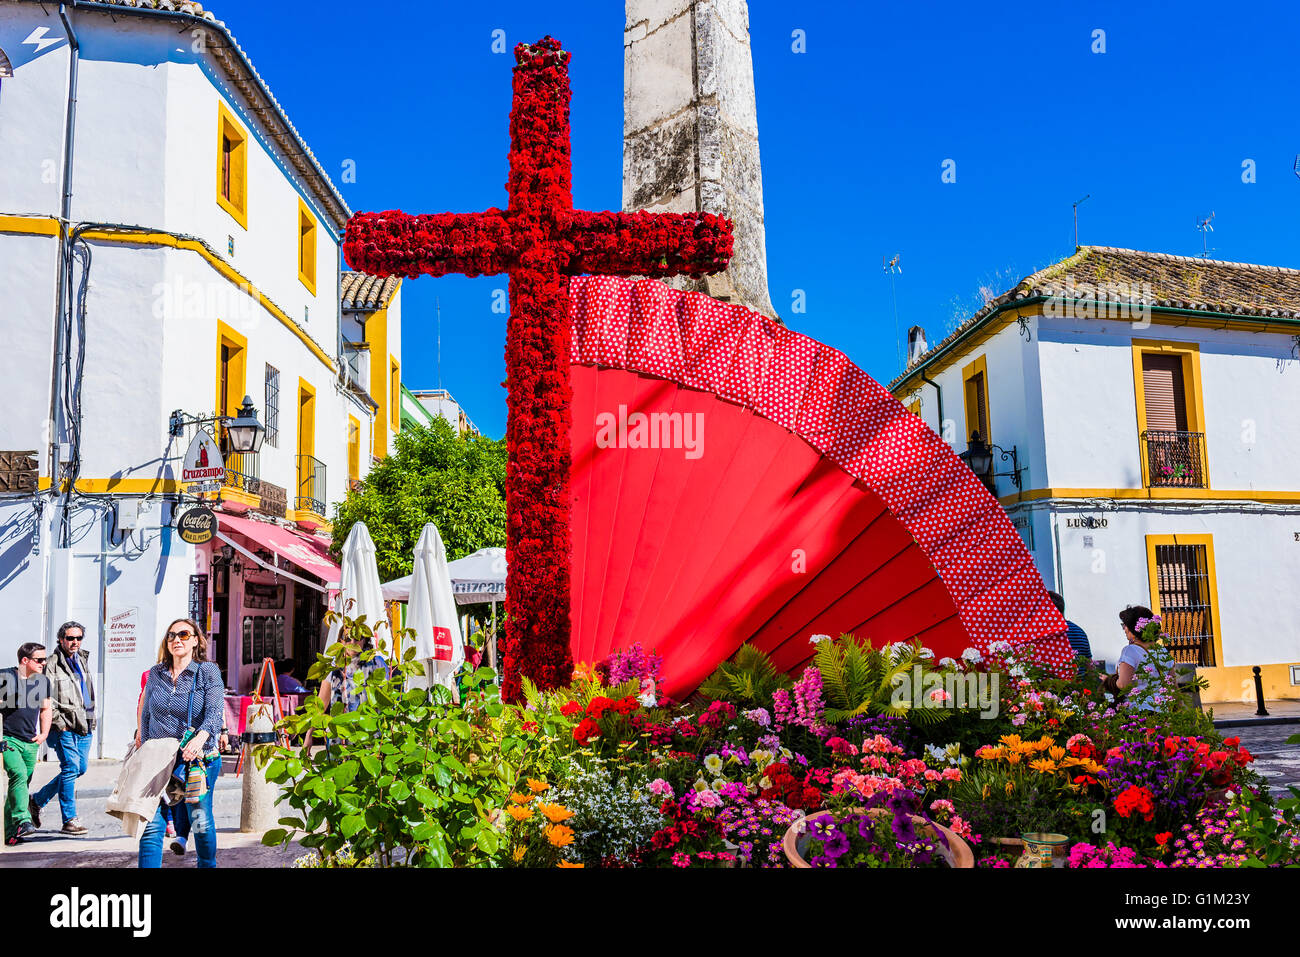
point(972, 655)
point(925, 653)
point(761, 758)
point(1016, 671)
point(1000, 647)
point(713, 764)
point(700, 785)
point(818, 639)
point(947, 663)
point(785, 753)
point(719, 783)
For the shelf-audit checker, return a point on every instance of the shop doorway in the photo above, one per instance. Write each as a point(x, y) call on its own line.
point(307, 616)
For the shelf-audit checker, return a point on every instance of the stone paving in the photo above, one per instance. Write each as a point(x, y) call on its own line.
point(107, 845)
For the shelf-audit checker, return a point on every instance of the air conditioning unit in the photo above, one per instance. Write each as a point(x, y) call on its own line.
point(1295, 675)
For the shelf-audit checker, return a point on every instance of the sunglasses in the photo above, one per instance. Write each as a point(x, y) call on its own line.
point(179, 635)
point(37, 661)
point(72, 637)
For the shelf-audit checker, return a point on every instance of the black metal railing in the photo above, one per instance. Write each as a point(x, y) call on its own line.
point(311, 485)
point(243, 470)
point(1184, 588)
point(1174, 459)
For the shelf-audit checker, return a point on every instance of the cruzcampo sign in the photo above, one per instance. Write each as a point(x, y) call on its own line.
point(196, 526)
point(203, 466)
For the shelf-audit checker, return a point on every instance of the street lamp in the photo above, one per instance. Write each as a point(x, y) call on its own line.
point(979, 459)
point(244, 431)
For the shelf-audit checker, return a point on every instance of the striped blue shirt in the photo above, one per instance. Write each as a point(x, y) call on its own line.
point(1078, 639)
point(166, 706)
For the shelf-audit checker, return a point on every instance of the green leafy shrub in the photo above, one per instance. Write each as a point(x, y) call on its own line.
point(408, 779)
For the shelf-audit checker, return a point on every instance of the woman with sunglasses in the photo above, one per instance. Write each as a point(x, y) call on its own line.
point(184, 698)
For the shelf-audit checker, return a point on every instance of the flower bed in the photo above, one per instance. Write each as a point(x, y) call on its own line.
point(604, 772)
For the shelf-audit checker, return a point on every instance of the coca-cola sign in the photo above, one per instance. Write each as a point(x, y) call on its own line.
point(196, 526)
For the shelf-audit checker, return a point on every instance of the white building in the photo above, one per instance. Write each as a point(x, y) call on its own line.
point(1152, 404)
point(202, 243)
point(429, 403)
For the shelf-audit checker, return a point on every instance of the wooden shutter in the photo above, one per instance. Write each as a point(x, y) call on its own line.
point(1162, 385)
point(977, 403)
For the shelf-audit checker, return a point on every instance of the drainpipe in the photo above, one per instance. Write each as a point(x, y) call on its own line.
point(939, 391)
point(63, 281)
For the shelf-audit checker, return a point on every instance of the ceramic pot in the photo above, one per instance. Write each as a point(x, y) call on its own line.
point(795, 841)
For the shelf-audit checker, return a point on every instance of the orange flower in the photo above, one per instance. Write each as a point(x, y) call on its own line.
point(555, 813)
point(559, 835)
point(519, 813)
point(569, 864)
point(537, 786)
point(521, 798)
point(1014, 757)
point(519, 853)
point(1057, 753)
point(585, 671)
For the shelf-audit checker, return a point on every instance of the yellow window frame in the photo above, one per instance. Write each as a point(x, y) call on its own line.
point(1193, 396)
point(354, 449)
point(1212, 585)
point(229, 128)
point(394, 394)
point(227, 336)
point(969, 372)
point(307, 230)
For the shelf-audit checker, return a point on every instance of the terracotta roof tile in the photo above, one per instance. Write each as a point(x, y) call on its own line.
point(363, 292)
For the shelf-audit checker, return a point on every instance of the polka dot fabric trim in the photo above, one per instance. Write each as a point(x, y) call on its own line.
point(814, 391)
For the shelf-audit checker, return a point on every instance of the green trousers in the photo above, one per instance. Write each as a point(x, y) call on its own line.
point(20, 765)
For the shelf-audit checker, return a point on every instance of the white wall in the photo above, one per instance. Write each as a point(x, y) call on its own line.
point(1014, 402)
point(1090, 406)
point(1257, 562)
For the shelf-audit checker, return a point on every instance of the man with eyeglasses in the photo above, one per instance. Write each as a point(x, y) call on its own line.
point(73, 690)
point(25, 713)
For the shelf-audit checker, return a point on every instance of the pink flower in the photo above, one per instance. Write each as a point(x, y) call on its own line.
point(661, 788)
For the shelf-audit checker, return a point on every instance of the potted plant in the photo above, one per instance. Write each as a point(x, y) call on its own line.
point(889, 836)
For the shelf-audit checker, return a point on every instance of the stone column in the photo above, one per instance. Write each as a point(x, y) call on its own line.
point(690, 130)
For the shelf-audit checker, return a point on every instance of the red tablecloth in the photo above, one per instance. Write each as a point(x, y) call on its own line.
point(237, 709)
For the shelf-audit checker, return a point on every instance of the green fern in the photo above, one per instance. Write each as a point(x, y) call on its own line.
point(858, 679)
point(747, 680)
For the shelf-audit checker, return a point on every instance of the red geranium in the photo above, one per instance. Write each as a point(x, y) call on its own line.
point(1136, 800)
point(585, 731)
point(570, 709)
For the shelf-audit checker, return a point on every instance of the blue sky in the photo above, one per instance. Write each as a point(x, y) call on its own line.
point(854, 134)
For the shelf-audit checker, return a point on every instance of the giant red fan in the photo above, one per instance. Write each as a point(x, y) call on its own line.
point(736, 481)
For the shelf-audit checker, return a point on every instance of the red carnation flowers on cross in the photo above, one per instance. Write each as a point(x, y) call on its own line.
point(540, 240)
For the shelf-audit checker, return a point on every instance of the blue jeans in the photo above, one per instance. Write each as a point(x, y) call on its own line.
point(73, 751)
point(201, 823)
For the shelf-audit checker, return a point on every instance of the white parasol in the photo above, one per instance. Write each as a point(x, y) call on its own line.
point(360, 586)
point(432, 613)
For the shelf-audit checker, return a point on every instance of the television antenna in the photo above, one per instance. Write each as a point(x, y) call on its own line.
point(893, 267)
point(1077, 202)
point(1205, 228)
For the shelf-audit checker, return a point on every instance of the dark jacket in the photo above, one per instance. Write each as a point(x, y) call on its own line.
point(69, 708)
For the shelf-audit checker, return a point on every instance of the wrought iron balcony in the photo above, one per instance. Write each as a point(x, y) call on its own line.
point(1174, 459)
point(311, 485)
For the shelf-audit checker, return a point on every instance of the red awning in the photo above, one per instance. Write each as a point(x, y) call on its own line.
point(307, 552)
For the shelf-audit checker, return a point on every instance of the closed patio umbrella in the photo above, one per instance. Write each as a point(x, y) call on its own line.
point(360, 585)
point(432, 613)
